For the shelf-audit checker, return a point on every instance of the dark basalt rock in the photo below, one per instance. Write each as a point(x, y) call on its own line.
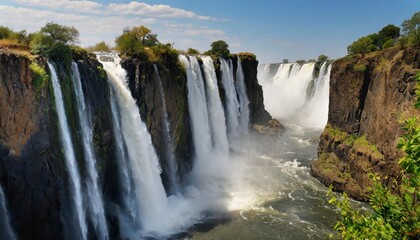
point(367, 96)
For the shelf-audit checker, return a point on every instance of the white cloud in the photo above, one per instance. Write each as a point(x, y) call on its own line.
point(79, 6)
point(160, 11)
point(131, 8)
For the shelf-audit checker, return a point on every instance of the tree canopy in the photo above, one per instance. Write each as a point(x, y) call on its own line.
point(219, 48)
point(134, 40)
point(53, 41)
point(411, 28)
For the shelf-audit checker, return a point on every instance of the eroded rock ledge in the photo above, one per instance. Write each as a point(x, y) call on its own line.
point(368, 95)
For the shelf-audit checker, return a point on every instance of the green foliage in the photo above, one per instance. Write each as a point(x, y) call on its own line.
point(6, 33)
point(219, 49)
point(411, 28)
point(39, 76)
point(322, 58)
point(100, 47)
point(363, 45)
point(394, 215)
point(285, 60)
point(361, 68)
point(192, 51)
point(53, 41)
point(134, 41)
point(385, 38)
point(78, 52)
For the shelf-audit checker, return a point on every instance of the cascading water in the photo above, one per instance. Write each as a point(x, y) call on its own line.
point(232, 104)
point(216, 112)
point(243, 99)
point(315, 110)
point(127, 212)
point(198, 110)
point(6, 230)
point(94, 198)
point(144, 164)
point(69, 155)
point(288, 93)
point(170, 156)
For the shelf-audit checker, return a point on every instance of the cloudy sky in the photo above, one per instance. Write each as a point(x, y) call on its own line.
point(272, 29)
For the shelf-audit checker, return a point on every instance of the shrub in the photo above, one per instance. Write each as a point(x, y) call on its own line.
point(219, 49)
point(39, 76)
point(192, 51)
point(394, 216)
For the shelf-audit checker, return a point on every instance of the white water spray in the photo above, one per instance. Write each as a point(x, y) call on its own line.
point(144, 164)
point(71, 164)
point(216, 112)
point(288, 95)
point(6, 230)
point(170, 156)
point(232, 104)
point(94, 197)
point(243, 99)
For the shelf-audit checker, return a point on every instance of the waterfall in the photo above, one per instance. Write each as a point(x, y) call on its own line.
point(6, 230)
point(232, 104)
point(144, 163)
point(243, 99)
point(216, 112)
point(170, 157)
point(128, 212)
point(315, 110)
point(197, 106)
point(211, 162)
point(94, 198)
point(70, 158)
point(293, 93)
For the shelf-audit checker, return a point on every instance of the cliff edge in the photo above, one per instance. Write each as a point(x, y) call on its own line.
point(368, 96)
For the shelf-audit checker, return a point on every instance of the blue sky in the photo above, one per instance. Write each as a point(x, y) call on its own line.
point(272, 29)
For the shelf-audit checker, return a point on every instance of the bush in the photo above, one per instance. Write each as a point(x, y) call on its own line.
point(192, 51)
point(39, 76)
point(60, 52)
point(394, 216)
point(219, 49)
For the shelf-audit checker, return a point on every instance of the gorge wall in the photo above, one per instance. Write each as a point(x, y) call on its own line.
point(33, 172)
point(368, 96)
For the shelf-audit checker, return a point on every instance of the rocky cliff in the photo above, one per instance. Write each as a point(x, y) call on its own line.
point(32, 168)
point(368, 96)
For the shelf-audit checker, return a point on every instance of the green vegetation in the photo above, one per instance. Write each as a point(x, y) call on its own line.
point(219, 49)
point(142, 43)
point(192, 51)
point(322, 58)
point(361, 68)
point(39, 76)
point(395, 209)
point(99, 47)
point(285, 60)
point(411, 29)
point(389, 36)
point(53, 41)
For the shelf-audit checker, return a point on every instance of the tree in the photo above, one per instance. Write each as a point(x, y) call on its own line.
point(134, 40)
point(100, 47)
point(219, 48)
point(192, 51)
point(387, 36)
point(394, 215)
point(53, 41)
point(365, 44)
point(5, 32)
point(411, 28)
point(285, 60)
point(322, 58)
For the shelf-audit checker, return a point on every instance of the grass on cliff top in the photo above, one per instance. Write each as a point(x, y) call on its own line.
point(14, 47)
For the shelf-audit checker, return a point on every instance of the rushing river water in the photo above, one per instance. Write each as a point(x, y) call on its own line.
point(276, 198)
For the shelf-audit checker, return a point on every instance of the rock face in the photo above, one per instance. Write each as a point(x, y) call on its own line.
point(33, 172)
point(258, 114)
point(32, 169)
point(144, 86)
point(367, 96)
